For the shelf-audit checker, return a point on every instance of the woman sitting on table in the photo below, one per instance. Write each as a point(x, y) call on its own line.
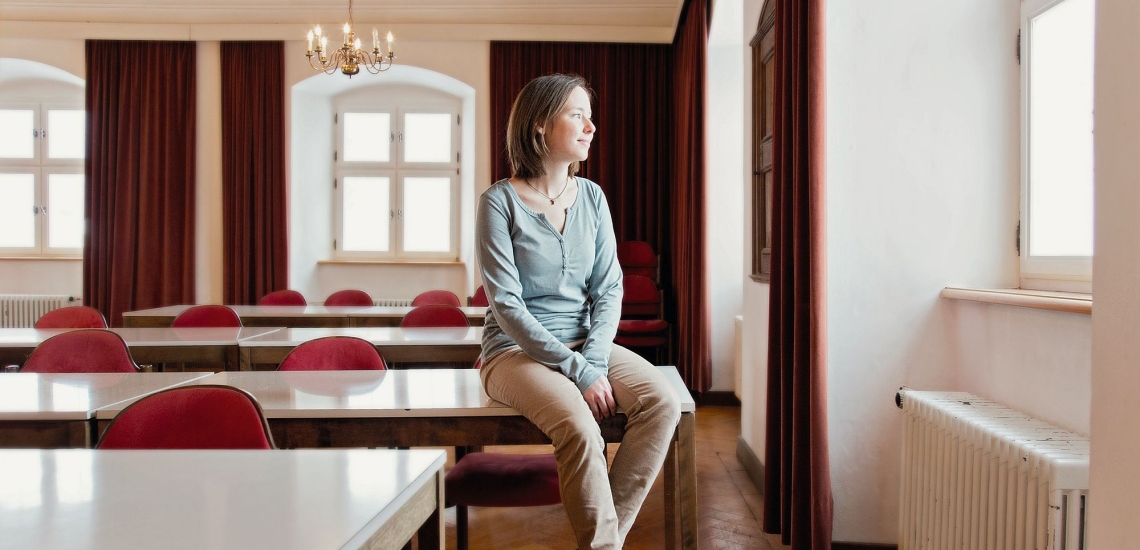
point(547, 250)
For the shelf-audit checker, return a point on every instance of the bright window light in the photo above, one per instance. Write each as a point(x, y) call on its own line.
point(427, 137)
point(365, 212)
point(16, 138)
point(17, 215)
point(367, 137)
point(427, 214)
point(65, 210)
point(1060, 131)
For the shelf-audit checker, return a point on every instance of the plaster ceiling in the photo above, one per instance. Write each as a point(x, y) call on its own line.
point(657, 16)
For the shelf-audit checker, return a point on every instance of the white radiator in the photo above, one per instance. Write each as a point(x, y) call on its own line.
point(978, 475)
point(393, 302)
point(23, 310)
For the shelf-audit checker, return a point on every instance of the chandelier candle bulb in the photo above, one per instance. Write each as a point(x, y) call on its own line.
point(375, 40)
point(310, 37)
point(389, 43)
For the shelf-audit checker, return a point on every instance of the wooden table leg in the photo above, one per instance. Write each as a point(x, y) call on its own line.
point(687, 476)
point(432, 534)
point(670, 473)
point(243, 361)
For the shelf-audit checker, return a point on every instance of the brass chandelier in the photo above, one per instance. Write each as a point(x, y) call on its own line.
point(348, 57)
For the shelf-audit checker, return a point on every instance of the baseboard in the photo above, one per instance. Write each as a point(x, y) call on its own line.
point(835, 545)
point(751, 463)
point(716, 399)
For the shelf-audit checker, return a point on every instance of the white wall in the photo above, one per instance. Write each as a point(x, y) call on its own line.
point(754, 375)
point(922, 150)
point(1116, 279)
point(725, 153)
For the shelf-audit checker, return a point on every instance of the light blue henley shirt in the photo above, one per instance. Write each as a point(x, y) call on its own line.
point(547, 289)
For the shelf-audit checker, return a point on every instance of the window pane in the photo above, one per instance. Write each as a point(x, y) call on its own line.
point(427, 214)
point(367, 137)
point(427, 137)
point(16, 126)
point(65, 210)
point(65, 135)
point(366, 214)
point(1060, 131)
point(17, 221)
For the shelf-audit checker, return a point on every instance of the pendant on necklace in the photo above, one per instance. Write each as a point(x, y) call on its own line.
point(551, 202)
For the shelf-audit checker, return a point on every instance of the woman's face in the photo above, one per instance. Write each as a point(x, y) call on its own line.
point(569, 133)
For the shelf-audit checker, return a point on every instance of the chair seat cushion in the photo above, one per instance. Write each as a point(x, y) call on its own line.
point(641, 326)
point(503, 480)
point(641, 341)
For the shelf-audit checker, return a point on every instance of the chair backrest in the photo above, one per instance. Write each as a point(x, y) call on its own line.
point(436, 297)
point(479, 299)
point(334, 353)
point(435, 316)
point(349, 297)
point(641, 298)
point(637, 258)
point(72, 317)
point(190, 417)
point(207, 316)
point(84, 350)
point(283, 298)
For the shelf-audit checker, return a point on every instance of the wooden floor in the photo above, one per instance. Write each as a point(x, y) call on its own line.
point(729, 504)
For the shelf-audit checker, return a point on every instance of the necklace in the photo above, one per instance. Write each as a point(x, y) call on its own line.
point(555, 197)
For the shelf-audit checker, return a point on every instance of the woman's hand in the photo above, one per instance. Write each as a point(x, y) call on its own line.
point(600, 398)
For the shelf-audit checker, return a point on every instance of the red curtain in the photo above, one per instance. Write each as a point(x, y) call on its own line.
point(253, 168)
point(139, 248)
point(797, 476)
point(688, 198)
point(635, 156)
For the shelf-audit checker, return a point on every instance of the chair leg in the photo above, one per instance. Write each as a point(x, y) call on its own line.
point(460, 527)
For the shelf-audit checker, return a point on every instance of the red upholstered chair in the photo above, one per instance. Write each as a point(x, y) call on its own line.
point(190, 417)
point(207, 316)
point(349, 298)
point(501, 481)
point(436, 297)
point(84, 350)
point(637, 258)
point(479, 299)
point(435, 316)
point(334, 353)
point(641, 326)
point(283, 298)
point(72, 317)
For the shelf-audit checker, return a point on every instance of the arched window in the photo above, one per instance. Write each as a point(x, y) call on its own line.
point(42, 148)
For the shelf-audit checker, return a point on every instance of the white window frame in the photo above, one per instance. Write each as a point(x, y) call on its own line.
point(40, 166)
point(396, 170)
point(1053, 273)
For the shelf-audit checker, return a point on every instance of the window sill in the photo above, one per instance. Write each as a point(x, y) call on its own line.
point(412, 263)
point(41, 258)
point(1069, 302)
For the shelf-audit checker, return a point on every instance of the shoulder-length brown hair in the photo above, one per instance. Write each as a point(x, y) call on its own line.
point(539, 101)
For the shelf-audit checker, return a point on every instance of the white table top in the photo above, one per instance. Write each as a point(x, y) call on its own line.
point(260, 311)
point(391, 336)
point(371, 394)
point(28, 396)
point(400, 312)
point(143, 336)
point(302, 499)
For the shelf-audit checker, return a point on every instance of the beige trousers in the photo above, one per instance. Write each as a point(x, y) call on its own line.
point(601, 505)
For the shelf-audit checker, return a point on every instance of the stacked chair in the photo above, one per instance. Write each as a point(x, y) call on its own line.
point(642, 326)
